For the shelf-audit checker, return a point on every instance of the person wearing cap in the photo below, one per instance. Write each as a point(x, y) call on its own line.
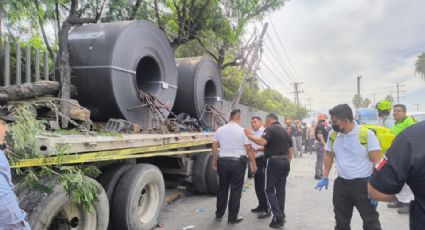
point(384, 109)
point(321, 135)
point(278, 153)
point(230, 164)
point(12, 217)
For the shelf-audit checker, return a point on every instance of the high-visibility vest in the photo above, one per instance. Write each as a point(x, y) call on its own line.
point(384, 135)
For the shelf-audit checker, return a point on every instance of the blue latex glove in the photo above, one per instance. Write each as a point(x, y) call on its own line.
point(373, 202)
point(324, 182)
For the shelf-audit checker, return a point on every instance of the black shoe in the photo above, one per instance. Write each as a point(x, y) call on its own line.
point(404, 209)
point(264, 215)
point(316, 177)
point(257, 209)
point(277, 222)
point(235, 221)
point(395, 204)
point(218, 218)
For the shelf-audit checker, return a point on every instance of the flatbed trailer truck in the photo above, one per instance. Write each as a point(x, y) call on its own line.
point(132, 183)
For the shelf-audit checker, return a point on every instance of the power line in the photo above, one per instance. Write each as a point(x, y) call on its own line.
point(280, 59)
point(283, 48)
point(273, 74)
point(284, 74)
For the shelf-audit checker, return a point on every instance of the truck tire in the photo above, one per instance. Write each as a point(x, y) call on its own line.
point(212, 177)
point(109, 179)
point(200, 173)
point(138, 198)
point(56, 211)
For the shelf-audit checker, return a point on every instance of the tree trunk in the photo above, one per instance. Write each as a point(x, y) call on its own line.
point(1, 42)
point(65, 72)
point(28, 90)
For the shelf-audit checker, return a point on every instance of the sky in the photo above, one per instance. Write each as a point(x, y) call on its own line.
point(331, 42)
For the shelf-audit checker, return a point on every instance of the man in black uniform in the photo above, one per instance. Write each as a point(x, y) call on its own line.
point(278, 152)
point(403, 163)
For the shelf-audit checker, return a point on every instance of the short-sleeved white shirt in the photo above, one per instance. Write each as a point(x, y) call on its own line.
point(232, 140)
point(352, 158)
point(258, 133)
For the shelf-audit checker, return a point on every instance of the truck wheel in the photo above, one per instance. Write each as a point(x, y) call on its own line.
point(138, 198)
point(56, 211)
point(199, 173)
point(212, 177)
point(109, 179)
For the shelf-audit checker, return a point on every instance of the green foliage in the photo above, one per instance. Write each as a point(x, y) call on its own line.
point(359, 102)
point(72, 178)
point(420, 66)
point(268, 100)
point(80, 190)
point(23, 133)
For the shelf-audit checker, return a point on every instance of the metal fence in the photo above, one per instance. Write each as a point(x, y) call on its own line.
point(33, 62)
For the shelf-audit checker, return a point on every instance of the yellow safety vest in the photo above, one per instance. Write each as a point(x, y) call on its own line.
point(384, 135)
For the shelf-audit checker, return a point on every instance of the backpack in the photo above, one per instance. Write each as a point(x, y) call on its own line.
point(384, 135)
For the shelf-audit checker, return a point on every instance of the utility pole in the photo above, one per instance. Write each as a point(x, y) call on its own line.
point(309, 103)
point(398, 85)
point(358, 85)
point(417, 107)
point(297, 92)
point(251, 67)
point(309, 106)
point(398, 92)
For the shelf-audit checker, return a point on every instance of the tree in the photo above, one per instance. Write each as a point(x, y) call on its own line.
point(359, 102)
point(230, 27)
point(389, 98)
point(420, 65)
point(1, 41)
point(74, 18)
point(366, 102)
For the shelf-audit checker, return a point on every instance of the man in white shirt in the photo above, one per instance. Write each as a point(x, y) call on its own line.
point(230, 165)
point(259, 177)
point(354, 164)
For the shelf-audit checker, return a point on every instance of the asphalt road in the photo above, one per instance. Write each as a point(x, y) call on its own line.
point(306, 208)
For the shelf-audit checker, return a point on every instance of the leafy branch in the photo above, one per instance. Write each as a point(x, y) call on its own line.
point(23, 139)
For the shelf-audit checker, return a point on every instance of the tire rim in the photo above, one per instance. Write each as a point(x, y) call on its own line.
point(73, 216)
point(148, 202)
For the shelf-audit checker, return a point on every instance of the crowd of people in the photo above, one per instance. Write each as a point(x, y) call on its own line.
point(366, 174)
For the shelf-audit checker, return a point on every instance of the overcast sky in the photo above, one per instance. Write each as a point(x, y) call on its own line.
point(331, 42)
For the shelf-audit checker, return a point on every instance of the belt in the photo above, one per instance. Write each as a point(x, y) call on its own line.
point(230, 158)
point(278, 157)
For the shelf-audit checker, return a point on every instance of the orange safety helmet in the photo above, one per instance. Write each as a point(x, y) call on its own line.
point(322, 117)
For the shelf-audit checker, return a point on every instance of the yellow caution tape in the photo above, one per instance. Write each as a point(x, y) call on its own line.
point(119, 154)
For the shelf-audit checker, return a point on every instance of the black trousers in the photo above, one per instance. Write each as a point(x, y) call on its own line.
point(349, 194)
point(277, 170)
point(259, 181)
point(230, 175)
